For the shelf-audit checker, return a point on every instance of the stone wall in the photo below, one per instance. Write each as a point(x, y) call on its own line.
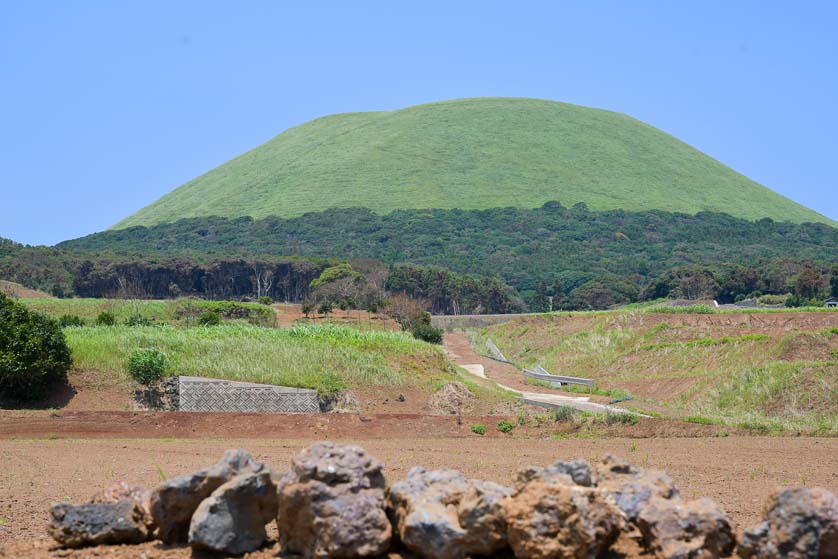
point(213, 395)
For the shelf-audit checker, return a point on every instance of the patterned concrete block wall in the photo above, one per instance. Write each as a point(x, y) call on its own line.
point(204, 394)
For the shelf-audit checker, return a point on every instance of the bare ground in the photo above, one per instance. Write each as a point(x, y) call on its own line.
point(739, 472)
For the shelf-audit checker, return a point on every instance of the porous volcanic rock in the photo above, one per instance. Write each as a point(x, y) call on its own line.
point(632, 487)
point(331, 504)
point(579, 471)
point(799, 523)
point(232, 520)
point(174, 502)
point(121, 491)
point(675, 529)
point(553, 518)
point(440, 514)
point(97, 524)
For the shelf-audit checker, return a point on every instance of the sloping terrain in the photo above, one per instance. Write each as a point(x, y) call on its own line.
point(758, 370)
point(471, 154)
point(13, 289)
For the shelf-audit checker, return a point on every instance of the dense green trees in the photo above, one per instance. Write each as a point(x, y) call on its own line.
point(499, 260)
point(33, 351)
point(523, 247)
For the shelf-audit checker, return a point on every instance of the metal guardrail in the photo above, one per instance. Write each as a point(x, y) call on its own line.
point(544, 376)
point(493, 349)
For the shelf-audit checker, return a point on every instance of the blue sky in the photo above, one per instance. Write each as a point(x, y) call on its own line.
point(106, 106)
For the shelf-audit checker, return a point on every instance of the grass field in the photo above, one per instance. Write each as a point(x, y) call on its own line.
point(325, 358)
point(471, 154)
point(767, 371)
point(172, 312)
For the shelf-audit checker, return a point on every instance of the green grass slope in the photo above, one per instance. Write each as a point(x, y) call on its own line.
point(471, 154)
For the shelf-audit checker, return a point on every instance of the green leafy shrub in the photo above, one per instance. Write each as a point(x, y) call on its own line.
point(67, 320)
point(137, 320)
point(147, 366)
point(505, 426)
point(265, 300)
point(478, 429)
point(33, 351)
point(106, 318)
point(427, 333)
point(209, 318)
point(325, 307)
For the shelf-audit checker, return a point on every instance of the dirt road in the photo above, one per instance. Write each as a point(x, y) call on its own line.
point(459, 350)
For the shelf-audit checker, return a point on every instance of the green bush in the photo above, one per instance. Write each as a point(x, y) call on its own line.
point(325, 307)
point(427, 333)
point(478, 429)
point(147, 366)
point(70, 320)
point(137, 320)
point(33, 351)
point(563, 413)
point(265, 300)
point(106, 318)
point(505, 426)
point(209, 318)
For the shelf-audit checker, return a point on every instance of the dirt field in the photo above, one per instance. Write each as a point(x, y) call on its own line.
point(738, 472)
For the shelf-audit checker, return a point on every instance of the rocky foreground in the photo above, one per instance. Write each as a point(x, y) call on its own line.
point(336, 502)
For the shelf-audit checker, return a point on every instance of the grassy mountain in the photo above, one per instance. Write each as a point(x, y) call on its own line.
point(471, 154)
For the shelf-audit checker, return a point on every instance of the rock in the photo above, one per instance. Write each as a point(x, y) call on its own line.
point(174, 502)
point(97, 524)
point(632, 487)
point(440, 514)
point(331, 504)
point(675, 529)
point(232, 520)
point(121, 491)
point(579, 471)
point(551, 518)
point(799, 523)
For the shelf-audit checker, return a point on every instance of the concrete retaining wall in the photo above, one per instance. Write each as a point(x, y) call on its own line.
point(213, 395)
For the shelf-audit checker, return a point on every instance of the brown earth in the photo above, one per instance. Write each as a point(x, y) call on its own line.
point(288, 314)
point(13, 289)
point(738, 472)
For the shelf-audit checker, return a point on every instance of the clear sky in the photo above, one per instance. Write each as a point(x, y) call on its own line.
point(108, 105)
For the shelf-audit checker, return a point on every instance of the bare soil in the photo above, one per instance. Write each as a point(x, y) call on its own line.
point(738, 472)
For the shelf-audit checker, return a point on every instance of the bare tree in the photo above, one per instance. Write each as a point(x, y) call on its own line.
point(263, 278)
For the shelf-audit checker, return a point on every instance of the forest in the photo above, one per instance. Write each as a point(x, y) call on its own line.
point(497, 260)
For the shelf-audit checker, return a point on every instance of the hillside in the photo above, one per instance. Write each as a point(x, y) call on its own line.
point(16, 290)
point(471, 154)
point(740, 369)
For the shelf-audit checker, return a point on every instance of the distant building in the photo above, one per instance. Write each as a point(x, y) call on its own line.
point(832, 302)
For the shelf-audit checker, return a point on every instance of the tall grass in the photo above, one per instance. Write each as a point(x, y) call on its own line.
point(171, 311)
point(325, 358)
point(766, 374)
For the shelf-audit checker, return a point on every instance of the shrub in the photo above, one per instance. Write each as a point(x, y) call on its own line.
point(325, 307)
point(106, 318)
point(265, 300)
point(70, 320)
point(505, 426)
point(478, 429)
point(307, 308)
point(427, 333)
point(209, 318)
point(33, 351)
point(147, 365)
point(564, 413)
point(137, 319)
